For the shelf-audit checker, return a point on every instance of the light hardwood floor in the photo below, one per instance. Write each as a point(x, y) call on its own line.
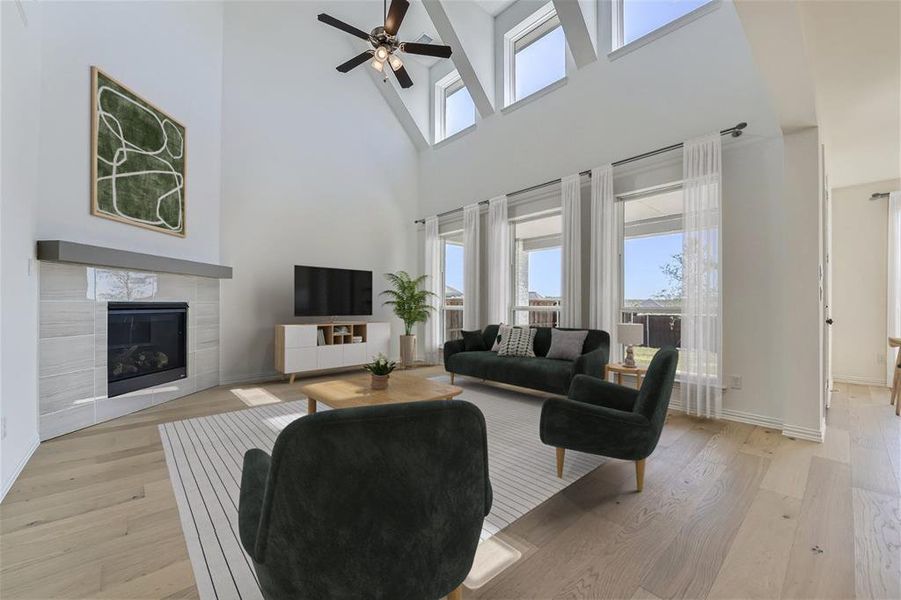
point(728, 511)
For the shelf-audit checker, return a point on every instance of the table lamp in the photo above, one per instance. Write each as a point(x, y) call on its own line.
point(630, 334)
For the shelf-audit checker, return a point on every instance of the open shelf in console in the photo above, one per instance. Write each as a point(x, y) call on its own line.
point(349, 332)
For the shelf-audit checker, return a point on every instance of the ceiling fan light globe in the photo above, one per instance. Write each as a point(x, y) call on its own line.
point(395, 62)
point(377, 64)
point(381, 53)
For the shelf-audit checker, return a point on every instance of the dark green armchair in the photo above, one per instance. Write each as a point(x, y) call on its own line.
point(603, 418)
point(371, 502)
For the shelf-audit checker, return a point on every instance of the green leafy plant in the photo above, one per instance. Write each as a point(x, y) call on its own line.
point(380, 365)
point(411, 302)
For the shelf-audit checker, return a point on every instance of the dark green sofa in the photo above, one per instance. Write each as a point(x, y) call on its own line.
point(539, 373)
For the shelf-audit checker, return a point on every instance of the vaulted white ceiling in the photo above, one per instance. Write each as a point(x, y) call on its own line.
point(494, 7)
point(855, 55)
point(835, 65)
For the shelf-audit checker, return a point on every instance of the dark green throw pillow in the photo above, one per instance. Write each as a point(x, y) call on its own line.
point(472, 341)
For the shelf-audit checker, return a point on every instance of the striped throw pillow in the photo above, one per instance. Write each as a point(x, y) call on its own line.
point(519, 341)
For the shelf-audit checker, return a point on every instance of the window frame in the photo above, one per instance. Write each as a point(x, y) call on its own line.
point(638, 195)
point(443, 306)
point(545, 242)
point(618, 47)
point(444, 88)
point(531, 29)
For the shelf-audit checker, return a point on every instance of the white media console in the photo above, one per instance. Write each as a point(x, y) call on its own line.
point(305, 348)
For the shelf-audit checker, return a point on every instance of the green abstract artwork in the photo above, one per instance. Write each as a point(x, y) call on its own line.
point(138, 160)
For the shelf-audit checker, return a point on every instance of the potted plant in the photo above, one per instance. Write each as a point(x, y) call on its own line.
point(380, 368)
point(411, 305)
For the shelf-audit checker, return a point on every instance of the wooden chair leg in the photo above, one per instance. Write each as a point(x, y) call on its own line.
point(896, 391)
point(561, 452)
point(457, 594)
point(891, 399)
point(896, 385)
point(639, 474)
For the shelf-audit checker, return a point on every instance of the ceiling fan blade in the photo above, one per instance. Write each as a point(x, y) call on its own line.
point(330, 20)
point(403, 78)
point(356, 61)
point(426, 49)
point(395, 16)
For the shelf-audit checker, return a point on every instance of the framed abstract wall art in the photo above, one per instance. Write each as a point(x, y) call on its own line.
point(138, 159)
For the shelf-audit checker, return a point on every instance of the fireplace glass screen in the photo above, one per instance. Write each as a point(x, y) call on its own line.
point(146, 345)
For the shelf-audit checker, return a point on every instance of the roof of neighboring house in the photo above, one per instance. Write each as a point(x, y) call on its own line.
point(652, 303)
point(452, 292)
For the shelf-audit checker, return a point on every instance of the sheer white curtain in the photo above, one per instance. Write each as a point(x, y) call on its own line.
point(702, 304)
point(606, 229)
point(433, 282)
point(571, 302)
point(894, 278)
point(471, 267)
point(498, 261)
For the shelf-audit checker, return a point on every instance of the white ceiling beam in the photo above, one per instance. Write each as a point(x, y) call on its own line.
point(477, 88)
point(776, 37)
point(398, 107)
point(579, 20)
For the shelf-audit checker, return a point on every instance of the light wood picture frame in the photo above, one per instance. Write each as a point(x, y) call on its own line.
point(138, 159)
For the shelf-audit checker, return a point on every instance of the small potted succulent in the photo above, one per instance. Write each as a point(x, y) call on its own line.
point(380, 368)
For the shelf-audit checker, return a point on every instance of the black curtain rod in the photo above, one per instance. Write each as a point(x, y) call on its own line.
point(733, 131)
point(878, 195)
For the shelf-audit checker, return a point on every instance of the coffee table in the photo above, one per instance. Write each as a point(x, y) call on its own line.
point(355, 391)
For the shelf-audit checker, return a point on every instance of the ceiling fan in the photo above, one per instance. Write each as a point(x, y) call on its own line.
point(385, 43)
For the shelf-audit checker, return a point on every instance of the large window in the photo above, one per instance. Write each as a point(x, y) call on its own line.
point(652, 269)
point(537, 271)
point(454, 108)
point(452, 299)
point(535, 54)
point(634, 19)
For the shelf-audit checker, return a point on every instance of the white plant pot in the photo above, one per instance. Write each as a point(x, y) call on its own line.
point(407, 350)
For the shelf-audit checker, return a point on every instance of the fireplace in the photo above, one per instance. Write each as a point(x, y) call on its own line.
point(146, 345)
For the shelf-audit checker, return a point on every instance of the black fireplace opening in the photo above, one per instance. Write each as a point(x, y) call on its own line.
point(146, 345)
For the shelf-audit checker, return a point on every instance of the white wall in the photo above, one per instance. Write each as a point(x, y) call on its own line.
point(859, 254)
point(664, 92)
point(19, 122)
point(171, 54)
point(669, 90)
point(796, 329)
point(316, 171)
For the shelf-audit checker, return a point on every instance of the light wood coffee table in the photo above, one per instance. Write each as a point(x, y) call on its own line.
point(355, 391)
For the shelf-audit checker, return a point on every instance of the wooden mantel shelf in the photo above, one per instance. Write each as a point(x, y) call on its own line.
point(85, 254)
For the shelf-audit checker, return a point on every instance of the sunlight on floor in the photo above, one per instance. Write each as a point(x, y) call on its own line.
point(255, 396)
point(492, 557)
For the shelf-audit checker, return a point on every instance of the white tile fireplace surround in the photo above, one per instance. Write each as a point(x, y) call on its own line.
point(73, 340)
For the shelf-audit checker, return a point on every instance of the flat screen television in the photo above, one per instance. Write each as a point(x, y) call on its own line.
point(324, 292)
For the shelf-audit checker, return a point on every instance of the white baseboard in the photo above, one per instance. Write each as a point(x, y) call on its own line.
point(752, 418)
point(855, 380)
point(7, 485)
point(738, 416)
point(804, 433)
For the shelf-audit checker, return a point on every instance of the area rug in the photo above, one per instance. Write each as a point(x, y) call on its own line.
point(205, 454)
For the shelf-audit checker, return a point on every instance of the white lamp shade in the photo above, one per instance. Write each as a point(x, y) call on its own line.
point(630, 334)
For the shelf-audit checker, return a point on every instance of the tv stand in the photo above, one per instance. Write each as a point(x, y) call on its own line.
point(302, 349)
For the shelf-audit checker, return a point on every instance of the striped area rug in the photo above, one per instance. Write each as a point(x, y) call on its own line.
point(205, 454)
